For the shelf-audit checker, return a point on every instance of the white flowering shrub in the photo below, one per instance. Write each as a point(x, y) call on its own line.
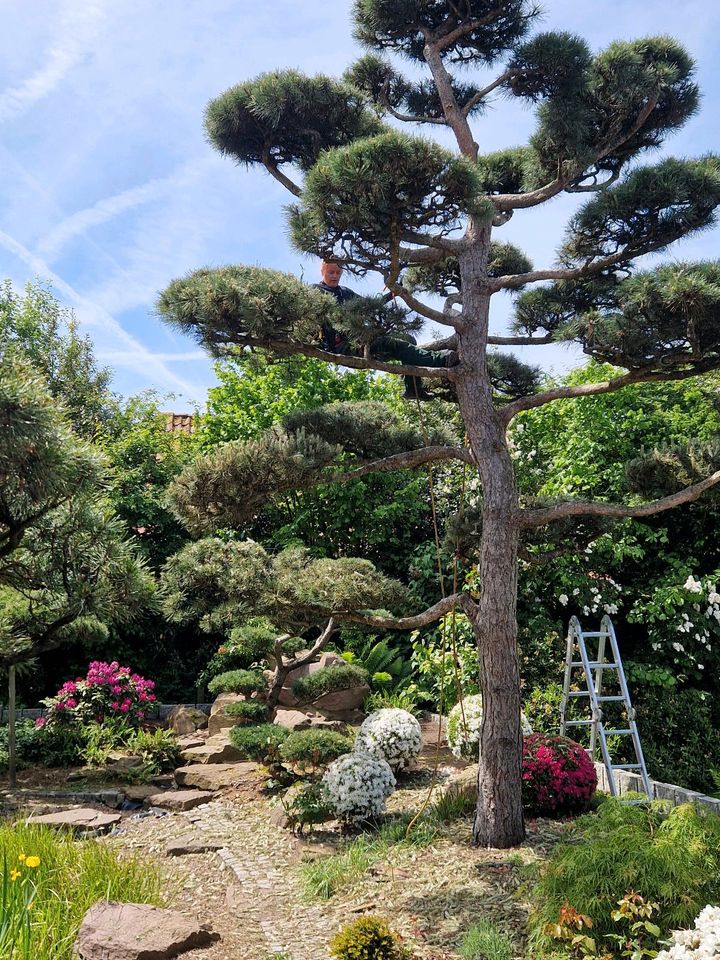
point(358, 785)
point(700, 943)
point(463, 730)
point(392, 734)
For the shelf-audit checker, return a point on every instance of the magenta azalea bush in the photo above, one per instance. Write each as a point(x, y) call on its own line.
point(108, 691)
point(558, 777)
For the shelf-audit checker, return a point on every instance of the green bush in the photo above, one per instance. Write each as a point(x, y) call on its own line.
point(247, 711)
point(342, 676)
point(308, 805)
point(368, 938)
point(314, 748)
point(483, 941)
point(238, 681)
point(60, 747)
point(260, 742)
point(669, 857)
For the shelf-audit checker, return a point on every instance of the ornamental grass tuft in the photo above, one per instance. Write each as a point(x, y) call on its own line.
point(48, 881)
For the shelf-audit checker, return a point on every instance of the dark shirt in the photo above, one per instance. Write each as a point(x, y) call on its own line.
point(333, 341)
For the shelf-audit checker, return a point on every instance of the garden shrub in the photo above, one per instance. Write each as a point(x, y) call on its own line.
point(367, 938)
point(558, 776)
point(392, 734)
point(314, 748)
point(63, 879)
point(59, 747)
point(260, 742)
point(342, 676)
point(247, 711)
point(463, 731)
point(358, 786)
point(307, 805)
point(246, 682)
point(108, 690)
point(668, 856)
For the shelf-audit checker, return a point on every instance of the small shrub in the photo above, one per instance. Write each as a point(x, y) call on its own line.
point(247, 711)
point(358, 786)
point(483, 941)
point(246, 682)
point(392, 734)
point(405, 699)
point(314, 748)
point(342, 676)
point(158, 749)
point(558, 777)
point(108, 690)
point(670, 857)
point(259, 742)
point(463, 730)
point(368, 938)
point(58, 747)
point(309, 805)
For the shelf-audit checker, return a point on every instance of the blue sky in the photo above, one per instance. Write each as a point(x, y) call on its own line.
point(108, 189)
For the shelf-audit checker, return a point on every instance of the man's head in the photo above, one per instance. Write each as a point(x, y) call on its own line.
point(330, 273)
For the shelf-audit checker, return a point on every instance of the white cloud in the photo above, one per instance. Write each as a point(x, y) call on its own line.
point(110, 207)
point(78, 27)
point(91, 315)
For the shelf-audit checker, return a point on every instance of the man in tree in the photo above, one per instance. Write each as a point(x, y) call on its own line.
point(384, 348)
point(372, 198)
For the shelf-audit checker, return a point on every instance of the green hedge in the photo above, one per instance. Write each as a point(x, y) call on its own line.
point(343, 676)
point(238, 681)
point(258, 742)
point(247, 711)
point(314, 747)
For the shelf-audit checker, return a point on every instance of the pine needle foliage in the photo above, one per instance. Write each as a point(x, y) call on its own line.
point(443, 276)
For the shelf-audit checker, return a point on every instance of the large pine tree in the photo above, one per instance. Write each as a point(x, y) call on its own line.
point(377, 199)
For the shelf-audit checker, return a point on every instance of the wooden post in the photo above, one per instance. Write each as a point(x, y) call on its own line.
point(12, 760)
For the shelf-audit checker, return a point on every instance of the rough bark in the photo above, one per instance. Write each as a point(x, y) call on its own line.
point(499, 816)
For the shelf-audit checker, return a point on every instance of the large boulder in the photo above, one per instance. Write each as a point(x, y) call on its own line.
point(218, 749)
point(343, 704)
point(222, 700)
point(183, 720)
point(137, 931)
point(307, 720)
point(216, 776)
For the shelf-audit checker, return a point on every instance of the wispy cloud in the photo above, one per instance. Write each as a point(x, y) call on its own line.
point(94, 316)
point(78, 27)
point(130, 358)
point(108, 208)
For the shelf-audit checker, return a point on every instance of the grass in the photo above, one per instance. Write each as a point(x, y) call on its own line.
point(324, 878)
point(48, 883)
point(483, 941)
point(453, 804)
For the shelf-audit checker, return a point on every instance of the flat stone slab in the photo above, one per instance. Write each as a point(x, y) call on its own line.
point(137, 931)
point(215, 776)
point(217, 749)
point(180, 799)
point(183, 846)
point(78, 819)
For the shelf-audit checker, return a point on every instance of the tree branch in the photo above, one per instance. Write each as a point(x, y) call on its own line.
point(436, 612)
point(520, 341)
point(455, 117)
point(538, 518)
point(409, 118)
point(408, 460)
point(443, 317)
point(642, 375)
point(481, 94)
point(272, 169)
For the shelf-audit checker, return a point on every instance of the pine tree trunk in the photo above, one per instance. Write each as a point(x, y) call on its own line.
point(499, 817)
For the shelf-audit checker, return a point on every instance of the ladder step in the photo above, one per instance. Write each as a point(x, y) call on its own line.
point(578, 723)
point(596, 633)
point(595, 665)
point(610, 733)
point(617, 699)
point(579, 693)
point(626, 766)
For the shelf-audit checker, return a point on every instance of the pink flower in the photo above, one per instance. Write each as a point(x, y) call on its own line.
point(124, 707)
point(115, 705)
point(40, 722)
point(70, 703)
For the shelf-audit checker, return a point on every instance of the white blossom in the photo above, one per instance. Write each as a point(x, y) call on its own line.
point(358, 786)
point(463, 731)
point(700, 943)
point(392, 734)
point(563, 598)
point(693, 585)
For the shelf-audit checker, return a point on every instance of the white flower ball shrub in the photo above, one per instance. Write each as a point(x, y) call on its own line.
point(392, 734)
point(358, 785)
point(463, 730)
point(700, 943)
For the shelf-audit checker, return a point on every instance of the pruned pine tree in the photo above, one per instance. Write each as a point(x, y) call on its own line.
point(65, 571)
point(375, 199)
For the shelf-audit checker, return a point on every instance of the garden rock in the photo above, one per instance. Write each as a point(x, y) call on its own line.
point(299, 720)
point(78, 819)
point(190, 740)
point(118, 762)
point(222, 700)
point(135, 931)
point(342, 703)
point(215, 776)
point(465, 782)
point(180, 799)
point(287, 697)
point(216, 749)
point(139, 792)
point(184, 846)
point(183, 720)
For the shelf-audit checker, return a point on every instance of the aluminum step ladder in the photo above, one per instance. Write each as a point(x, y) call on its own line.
point(594, 671)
